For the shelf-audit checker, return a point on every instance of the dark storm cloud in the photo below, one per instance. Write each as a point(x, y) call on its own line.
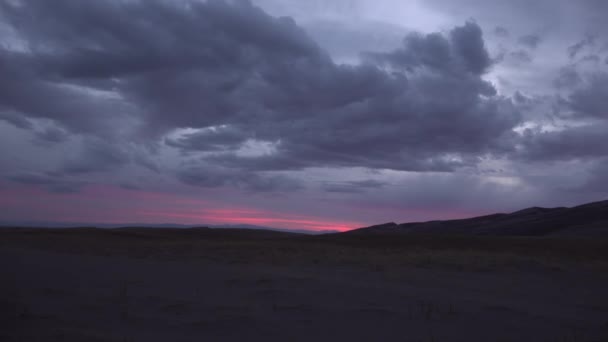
point(203, 65)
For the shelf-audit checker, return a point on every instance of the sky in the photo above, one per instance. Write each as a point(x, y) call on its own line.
point(319, 115)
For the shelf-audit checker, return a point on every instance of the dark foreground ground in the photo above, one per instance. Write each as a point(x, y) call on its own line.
point(201, 285)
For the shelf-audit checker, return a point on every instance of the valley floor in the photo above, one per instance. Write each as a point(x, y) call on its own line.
point(131, 286)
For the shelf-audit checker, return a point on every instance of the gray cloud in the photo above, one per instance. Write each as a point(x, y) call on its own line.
point(588, 41)
point(463, 52)
point(96, 156)
point(582, 135)
point(594, 59)
point(235, 74)
point(568, 77)
point(15, 119)
point(345, 40)
point(219, 98)
point(591, 99)
point(501, 32)
point(53, 183)
point(215, 177)
point(125, 74)
point(582, 142)
point(129, 186)
point(230, 64)
point(586, 15)
point(353, 187)
point(530, 41)
point(215, 139)
point(520, 57)
point(26, 89)
point(598, 178)
point(52, 135)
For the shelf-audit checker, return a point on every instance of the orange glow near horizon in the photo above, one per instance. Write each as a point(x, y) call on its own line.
point(257, 218)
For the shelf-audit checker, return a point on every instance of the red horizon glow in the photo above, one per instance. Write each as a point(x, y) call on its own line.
point(113, 205)
point(98, 205)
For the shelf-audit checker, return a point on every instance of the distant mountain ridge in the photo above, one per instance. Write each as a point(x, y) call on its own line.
point(585, 220)
point(26, 224)
point(588, 220)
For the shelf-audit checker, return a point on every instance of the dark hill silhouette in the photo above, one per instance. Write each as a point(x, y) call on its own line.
point(584, 220)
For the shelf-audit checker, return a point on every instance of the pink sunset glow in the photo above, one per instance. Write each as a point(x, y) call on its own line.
point(113, 205)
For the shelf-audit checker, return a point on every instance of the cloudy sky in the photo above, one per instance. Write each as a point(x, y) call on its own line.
point(319, 114)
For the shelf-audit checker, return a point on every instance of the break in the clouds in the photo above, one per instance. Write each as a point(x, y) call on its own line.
point(347, 111)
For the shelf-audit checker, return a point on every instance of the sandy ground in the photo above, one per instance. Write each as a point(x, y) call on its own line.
point(130, 289)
